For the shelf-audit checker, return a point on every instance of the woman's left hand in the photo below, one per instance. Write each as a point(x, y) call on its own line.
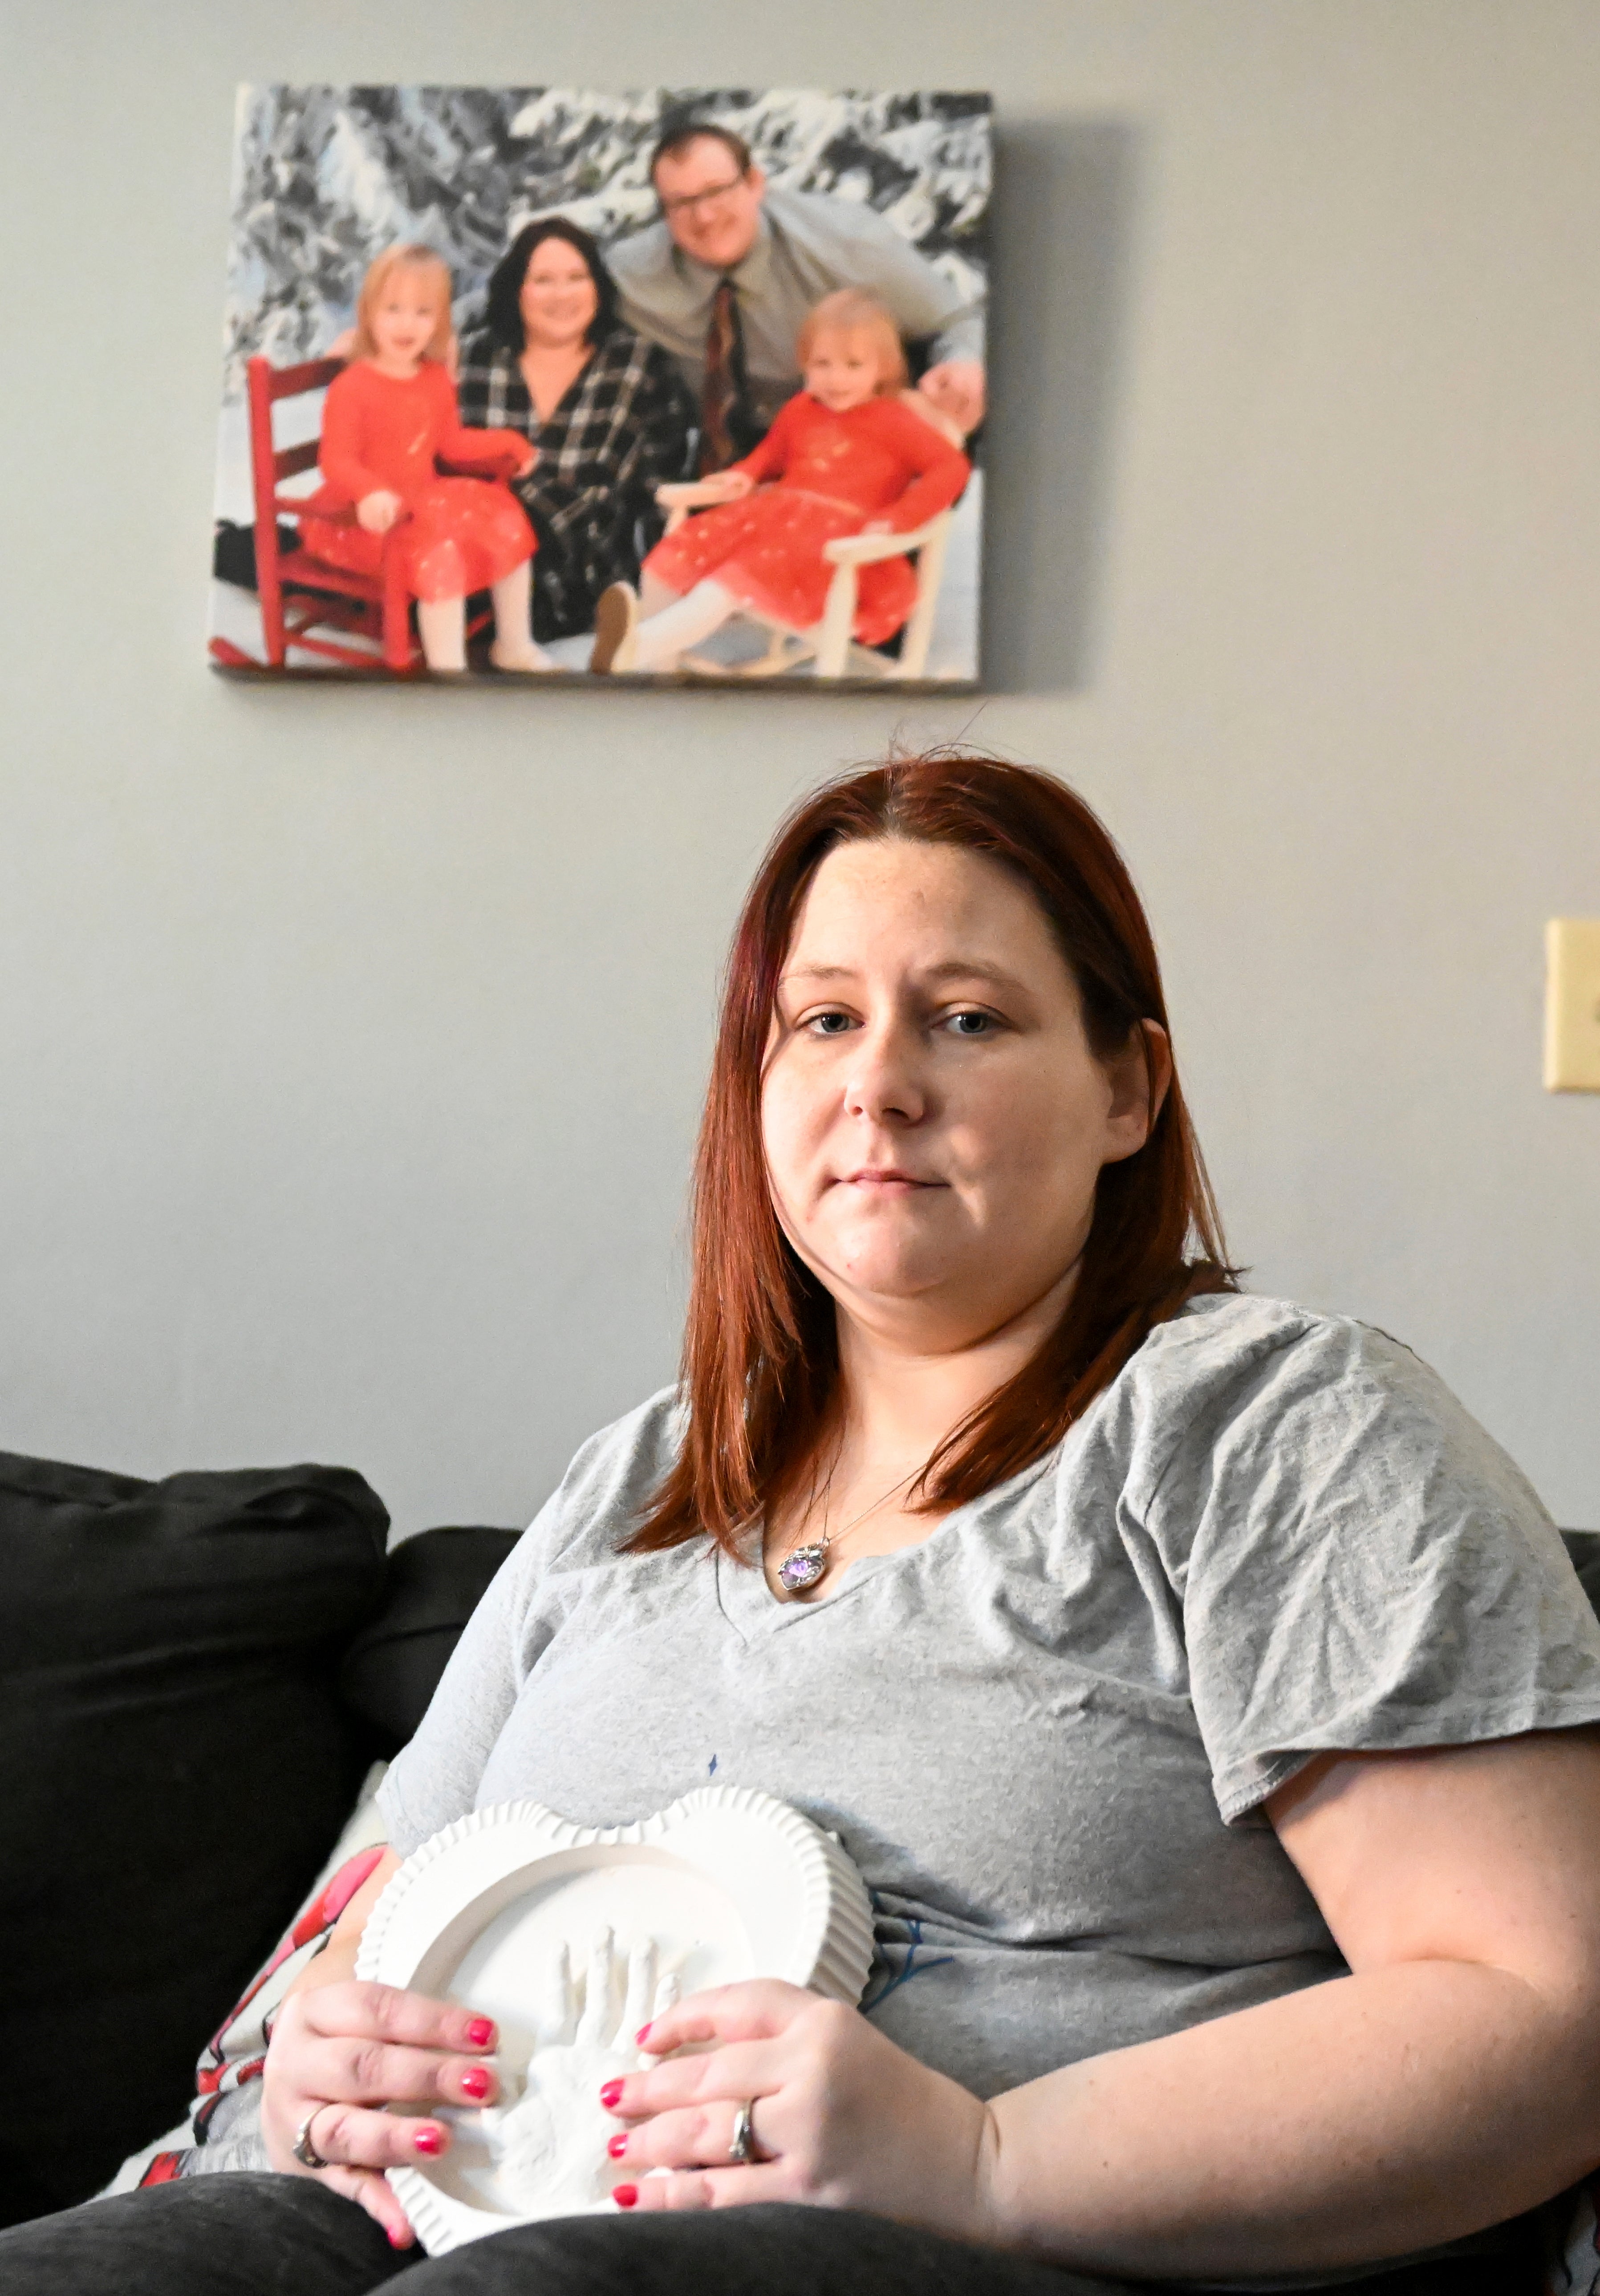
point(841, 2117)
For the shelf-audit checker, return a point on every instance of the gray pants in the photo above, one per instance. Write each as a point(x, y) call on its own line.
point(250, 2235)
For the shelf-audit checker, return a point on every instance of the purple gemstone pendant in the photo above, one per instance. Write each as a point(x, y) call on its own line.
point(802, 1567)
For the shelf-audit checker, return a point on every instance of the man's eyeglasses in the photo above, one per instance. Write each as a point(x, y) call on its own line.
point(690, 202)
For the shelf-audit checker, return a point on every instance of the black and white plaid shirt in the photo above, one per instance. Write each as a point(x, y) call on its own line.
point(625, 427)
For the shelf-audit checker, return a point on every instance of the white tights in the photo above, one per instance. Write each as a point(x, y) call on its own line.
point(670, 630)
point(442, 625)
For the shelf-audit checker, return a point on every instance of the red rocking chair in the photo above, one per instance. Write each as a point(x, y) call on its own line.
point(320, 598)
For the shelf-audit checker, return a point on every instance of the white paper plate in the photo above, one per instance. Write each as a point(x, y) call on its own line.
point(569, 1938)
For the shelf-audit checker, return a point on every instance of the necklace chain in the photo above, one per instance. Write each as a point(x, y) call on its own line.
point(817, 1550)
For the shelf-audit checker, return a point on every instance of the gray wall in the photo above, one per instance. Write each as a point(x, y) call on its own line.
point(352, 1041)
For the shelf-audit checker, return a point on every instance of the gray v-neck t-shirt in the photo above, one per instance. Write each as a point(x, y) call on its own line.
point(1044, 1734)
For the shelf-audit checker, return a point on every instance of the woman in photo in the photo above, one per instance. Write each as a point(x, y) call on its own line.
point(606, 412)
point(1207, 1702)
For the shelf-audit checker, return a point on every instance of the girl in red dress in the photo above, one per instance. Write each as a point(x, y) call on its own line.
point(845, 456)
point(388, 419)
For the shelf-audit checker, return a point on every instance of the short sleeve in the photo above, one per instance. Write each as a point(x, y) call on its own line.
point(1361, 1568)
point(435, 1778)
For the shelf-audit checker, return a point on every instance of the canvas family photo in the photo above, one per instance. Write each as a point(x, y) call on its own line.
point(527, 385)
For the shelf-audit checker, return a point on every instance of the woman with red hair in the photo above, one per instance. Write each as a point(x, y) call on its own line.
point(1206, 1700)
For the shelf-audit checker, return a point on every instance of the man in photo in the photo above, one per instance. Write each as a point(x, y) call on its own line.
point(726, 277)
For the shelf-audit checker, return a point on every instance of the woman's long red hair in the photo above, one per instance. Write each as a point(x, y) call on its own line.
point(760, 1353)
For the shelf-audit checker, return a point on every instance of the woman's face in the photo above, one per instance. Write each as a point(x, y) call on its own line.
point(933, 1118)
point(559, 299)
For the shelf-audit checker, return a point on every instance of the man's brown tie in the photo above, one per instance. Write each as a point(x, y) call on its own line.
point(726, 429)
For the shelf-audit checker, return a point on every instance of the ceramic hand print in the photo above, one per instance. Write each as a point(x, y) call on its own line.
point(502, 1909)
point(549, 2145)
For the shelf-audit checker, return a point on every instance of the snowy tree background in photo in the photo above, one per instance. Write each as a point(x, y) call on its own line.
point(326, 178)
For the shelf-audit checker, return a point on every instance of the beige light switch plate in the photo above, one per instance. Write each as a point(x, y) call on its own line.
point(1572, 1004)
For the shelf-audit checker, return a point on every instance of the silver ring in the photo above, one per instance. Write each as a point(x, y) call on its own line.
point(741, 2151)
point(303, 2149)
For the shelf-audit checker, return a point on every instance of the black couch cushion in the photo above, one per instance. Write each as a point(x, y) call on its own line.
point(1584, 1547)
point(175, 1764)
point(434, 1583)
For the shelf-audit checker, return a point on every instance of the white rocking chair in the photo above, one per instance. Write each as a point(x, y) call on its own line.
point(831, 645)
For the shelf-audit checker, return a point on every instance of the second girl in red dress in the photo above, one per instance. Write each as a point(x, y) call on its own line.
point(845, 456)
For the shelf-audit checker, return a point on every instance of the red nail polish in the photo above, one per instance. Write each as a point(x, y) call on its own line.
point(477, 2081)
point(610, 2094)
point(427, 2140)
point(617, 2145)
point(480, 2033)
point(641, 2037)
point(624, 2195)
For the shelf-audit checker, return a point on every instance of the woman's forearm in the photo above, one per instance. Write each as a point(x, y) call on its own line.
point(1367, 2117)
point(337, 1960)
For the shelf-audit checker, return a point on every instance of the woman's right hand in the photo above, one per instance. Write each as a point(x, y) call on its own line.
point(340, 2054)
point(731, 486)
point(378, 510)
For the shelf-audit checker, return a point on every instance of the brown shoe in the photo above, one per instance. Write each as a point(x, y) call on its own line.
point(616, 618)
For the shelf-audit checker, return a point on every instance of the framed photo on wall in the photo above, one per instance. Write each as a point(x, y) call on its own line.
point(539, 386)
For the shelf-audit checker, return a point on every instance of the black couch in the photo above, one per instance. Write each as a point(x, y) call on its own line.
point(195, 1677)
